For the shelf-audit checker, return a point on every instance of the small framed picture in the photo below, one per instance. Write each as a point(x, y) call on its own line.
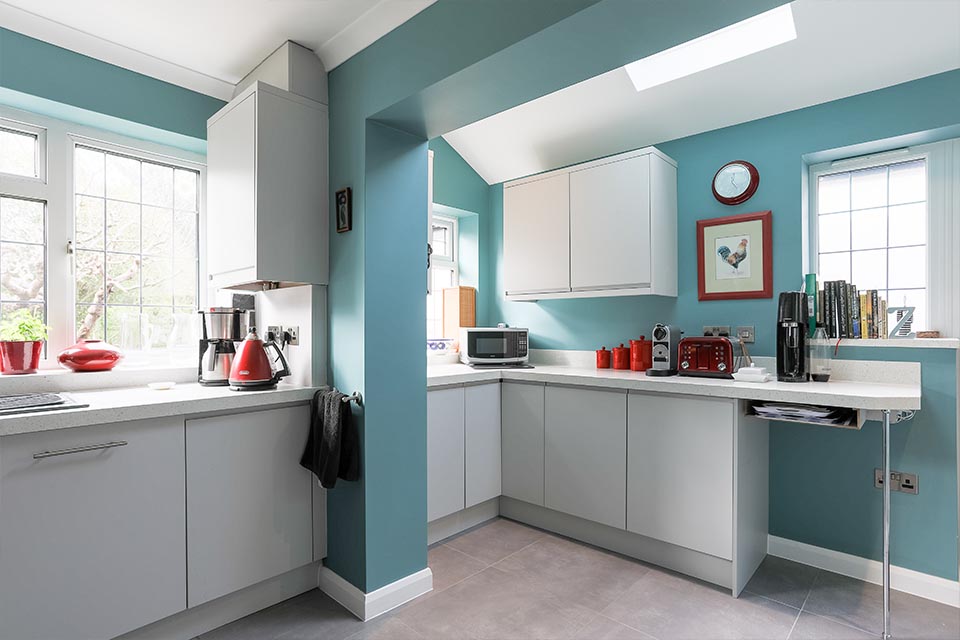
point(735, 257)
point(344, 210)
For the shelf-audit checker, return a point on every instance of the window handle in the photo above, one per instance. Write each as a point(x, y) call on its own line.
point(70, 247)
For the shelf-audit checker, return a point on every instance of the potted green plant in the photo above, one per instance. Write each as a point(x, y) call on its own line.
point(21, 341)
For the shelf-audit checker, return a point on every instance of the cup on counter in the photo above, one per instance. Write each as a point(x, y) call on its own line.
point(641, 354)
point(603, 358)
point(621, 357)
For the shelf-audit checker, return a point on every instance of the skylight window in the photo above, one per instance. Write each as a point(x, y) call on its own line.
point(739, 40)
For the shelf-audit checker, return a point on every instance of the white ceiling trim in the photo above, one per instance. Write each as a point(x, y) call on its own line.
point(380, 19)
point(61, 35)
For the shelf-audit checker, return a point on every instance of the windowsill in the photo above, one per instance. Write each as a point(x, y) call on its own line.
point(903, 343)
point(59, 379)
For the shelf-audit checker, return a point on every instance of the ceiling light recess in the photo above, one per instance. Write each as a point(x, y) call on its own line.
point(738, 40)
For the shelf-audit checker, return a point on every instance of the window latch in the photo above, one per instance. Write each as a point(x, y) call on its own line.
point(70, 247)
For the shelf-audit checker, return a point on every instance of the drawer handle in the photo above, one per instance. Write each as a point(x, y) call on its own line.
point(89, 447)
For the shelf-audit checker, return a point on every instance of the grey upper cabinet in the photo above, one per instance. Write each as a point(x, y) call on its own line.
point(585, 462)
point(249, 502)
point(481, 443)
point(536, 235)
point(93, 540)
point(522, 441)
point(680, 471)
point(267, 194)
point(445, 452)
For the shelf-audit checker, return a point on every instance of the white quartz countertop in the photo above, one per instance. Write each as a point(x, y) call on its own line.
point(119, 405)
point(838, 393)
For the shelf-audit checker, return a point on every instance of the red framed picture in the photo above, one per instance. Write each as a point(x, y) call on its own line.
point(735, 257)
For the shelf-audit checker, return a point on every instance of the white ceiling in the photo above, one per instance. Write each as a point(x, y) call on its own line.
point(843, 48)
point(206, 45)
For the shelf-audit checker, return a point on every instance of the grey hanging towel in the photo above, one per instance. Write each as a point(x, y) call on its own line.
point(333, 449)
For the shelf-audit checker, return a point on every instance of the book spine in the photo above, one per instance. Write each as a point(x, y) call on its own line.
point(820, 318)
point(864, 325)
point(810, 288)
point(875, 313)
point(844, 320)
point(828, 309)
point(855, 305)
point(883, 322)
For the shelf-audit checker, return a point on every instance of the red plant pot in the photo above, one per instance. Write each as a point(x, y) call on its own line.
point(20, 357)
point(90, 355)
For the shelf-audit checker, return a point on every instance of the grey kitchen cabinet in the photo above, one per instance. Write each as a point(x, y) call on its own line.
point(481, 443)
point(445, 452)
point(585, 462)
point(522, 418)
point(249, 502)
point(536, 235)
point(680, 471)
point(93, 535)
point(267, 184)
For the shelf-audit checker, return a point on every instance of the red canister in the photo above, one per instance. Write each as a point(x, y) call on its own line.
point(621, 357)
point(641, 354)
point(603, 358)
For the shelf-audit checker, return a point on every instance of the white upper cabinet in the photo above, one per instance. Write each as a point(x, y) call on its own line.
point(536, 235)
point(604, 228)
point(267, 194)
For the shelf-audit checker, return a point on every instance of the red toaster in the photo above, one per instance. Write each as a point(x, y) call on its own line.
point(710, 357)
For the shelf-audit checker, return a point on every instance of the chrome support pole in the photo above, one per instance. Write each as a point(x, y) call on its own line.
point(886, 524)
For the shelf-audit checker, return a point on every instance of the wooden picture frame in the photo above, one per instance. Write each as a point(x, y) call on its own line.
point(735, 257)
point(343, 210)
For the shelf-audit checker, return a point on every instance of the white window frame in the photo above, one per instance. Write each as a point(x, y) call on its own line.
point(56, 188)
point(446, 261)
point(943, 227)
point(41, 158)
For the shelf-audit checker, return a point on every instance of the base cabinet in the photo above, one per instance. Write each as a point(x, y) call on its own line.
point(92, 542)
point(522, 441)
point(584, 461)
point(445, 450)
point(680, 471)
point(481, 414)
point(249, 502)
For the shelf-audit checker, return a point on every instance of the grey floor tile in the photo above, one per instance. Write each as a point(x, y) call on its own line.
point(583, 574)
point(268, 624)
point(783, 580)
point(495, 605)
point(321, 618)
point(388, 628)
point(603, 628)
point(811, 627)
point(860, 604)
point(669, 606)
point(495, 541)
point(450, 566)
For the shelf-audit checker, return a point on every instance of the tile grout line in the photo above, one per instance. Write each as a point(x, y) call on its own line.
point(516, 552)
point(804, 609)
point(640, 631)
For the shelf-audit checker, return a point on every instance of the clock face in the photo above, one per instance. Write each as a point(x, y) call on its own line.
point(735, 182)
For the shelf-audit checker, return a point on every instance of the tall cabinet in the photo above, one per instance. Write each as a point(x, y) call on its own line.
point(267, 192)
point(603, 228)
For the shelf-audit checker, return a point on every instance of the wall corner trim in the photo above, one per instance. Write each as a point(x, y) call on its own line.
point(367, 606)
point(907, 580)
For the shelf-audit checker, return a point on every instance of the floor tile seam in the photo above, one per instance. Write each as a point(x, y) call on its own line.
point(486, 565)
point(632, 628)
point(841, 622)
point(774, 600)
point(813, 585)
point(527, 546)
point(793, 626)
point(464, 579)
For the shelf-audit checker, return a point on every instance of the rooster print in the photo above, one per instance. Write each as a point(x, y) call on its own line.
point(733, 263)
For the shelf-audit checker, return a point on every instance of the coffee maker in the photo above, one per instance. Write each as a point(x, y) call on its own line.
point(792, 337)
point(221, 329)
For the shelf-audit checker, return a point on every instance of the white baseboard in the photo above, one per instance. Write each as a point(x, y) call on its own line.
point(906, 580)
point(368, 606)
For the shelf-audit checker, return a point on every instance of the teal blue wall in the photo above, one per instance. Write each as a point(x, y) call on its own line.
point(40, 77)
point(834, 505)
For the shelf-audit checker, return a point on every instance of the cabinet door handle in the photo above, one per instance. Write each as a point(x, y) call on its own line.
point(89, 447)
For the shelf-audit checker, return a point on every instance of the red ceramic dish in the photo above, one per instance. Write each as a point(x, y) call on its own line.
point(90, 355)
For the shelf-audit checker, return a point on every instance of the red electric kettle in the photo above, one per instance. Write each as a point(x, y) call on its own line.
point(252, 367)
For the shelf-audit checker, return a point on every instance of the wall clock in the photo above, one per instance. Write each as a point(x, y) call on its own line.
point(736, 182)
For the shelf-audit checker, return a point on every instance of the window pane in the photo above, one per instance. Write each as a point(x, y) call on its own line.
point(834, 266)
point(18, 153)
point(908, 298)
point(870, 269)
point(88, 171)
point(89, 274)
point(869, 229)
point(868, 188)
point(833, 232)
point(90, 322)
point(908, 268)
point(89, 223)
point(21, 272)
point(123, 327)
point(123, 178)
point(123, 227)
point(908, 224)
point(833, 193)
point(185, 234)
point(123, 279)
point(908, 182)
point(440, 241)
point(185, 282)
point(21, 220)
point(157, 231)
point(157, 281)
point(185, 183)
point(157, 185)
point(157, 326)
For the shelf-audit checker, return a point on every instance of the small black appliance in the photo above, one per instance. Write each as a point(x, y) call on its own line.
point(792, 337)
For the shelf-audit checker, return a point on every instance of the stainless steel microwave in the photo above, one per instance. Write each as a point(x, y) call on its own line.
point(498, 345)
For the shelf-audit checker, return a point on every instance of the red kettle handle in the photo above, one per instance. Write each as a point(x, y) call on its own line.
point(285, 371)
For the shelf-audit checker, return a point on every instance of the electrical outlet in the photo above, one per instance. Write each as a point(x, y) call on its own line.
point(747, 333)
point(273, 329)
point(899, 481)
point(294, 332)
point(716, 330)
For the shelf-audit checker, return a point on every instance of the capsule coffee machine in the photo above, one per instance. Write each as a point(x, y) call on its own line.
point(792, 337)
point(222, 327)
